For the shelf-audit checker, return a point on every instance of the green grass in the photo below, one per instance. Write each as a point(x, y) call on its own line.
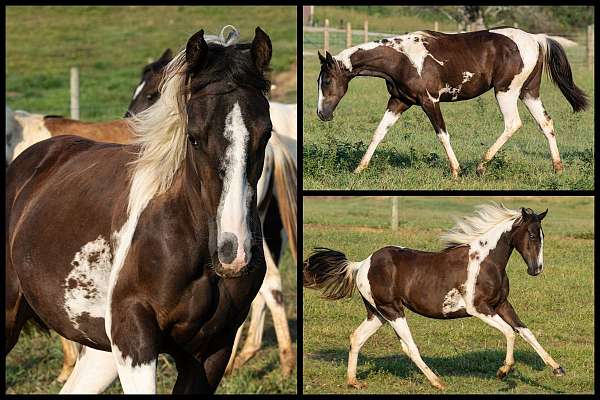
point(36, 360)
point(411, 157)
point(112, 44)
point(558, 305)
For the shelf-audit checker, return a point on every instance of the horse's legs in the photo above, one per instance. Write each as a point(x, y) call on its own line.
point(255, 332)
point(508, 314)
point(489, 316)
point(134, 343)
point(214, 366)
point(236, 343)
point(401, 328)
point(191, 377)
point(357, 339)
point(395, 107)
point(93, 372)
point(70, 351)
point(17, 310)
point(536, 108)
point(434, 113)
point(507, 101)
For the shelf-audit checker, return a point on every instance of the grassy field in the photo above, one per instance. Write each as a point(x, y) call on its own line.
point(558, 305)
point(112, 44)
point(34, 363)
point(411, 157)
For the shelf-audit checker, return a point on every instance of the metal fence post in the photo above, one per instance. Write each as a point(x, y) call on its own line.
point(326, 36)
point(74, 93)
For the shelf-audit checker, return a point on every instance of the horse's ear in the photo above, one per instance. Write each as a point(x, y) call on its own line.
point(542, 215)
point(261, 49)
point(526, 213)
point(328, 58)
point(166, 56)
point(321, 58)
point(196, 50)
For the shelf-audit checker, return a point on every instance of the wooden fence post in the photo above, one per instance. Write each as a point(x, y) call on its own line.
point(516, 25)
point(348, 35)
point(366, 30)
point(326, 36)
point(395, 213)
point(590, 46)
point(74, 93)
point(436, 26)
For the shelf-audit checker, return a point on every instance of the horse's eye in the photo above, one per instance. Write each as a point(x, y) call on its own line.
point(531, 236)
point(151, 96)
point(193, 140)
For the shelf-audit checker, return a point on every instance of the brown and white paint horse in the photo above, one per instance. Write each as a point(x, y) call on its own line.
point(153, 247)
point(425, 68)
point(277, 212)
point(467, 278)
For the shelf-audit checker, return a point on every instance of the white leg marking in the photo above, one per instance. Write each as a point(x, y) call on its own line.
point(497, 322)
point(512, 122)
point(232, 214)
point(358, 338)
point(138, 90)
point(536, 108)
point(94, 371)
point(445, 139)
point(530, 338)
point(86, 286)
point(389, 118)
point(402, 330)
point(135, 379)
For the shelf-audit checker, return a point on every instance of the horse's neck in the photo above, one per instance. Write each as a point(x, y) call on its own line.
point(500, 254)
point(371, 63)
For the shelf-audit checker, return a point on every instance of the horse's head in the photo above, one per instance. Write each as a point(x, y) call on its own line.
point(528, 240)
point(147, 91)
point(228, 127)
point(332, 85)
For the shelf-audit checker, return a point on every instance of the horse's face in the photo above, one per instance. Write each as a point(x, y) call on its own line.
point(228, 129)
point(528, 239)
point(332, 85)
point(147, 91)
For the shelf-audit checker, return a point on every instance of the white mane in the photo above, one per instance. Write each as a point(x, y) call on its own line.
point(470, 228)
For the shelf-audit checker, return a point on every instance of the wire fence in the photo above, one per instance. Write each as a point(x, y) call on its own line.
point(578, 45)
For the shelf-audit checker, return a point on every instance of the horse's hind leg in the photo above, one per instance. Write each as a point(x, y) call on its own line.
point(93, 372)
point(70, 353)
point(507, 101)
point(395, 107)
point(536, 108)
point(17, 310)
point(508, 314)
point(357, 339)
point(255, 333)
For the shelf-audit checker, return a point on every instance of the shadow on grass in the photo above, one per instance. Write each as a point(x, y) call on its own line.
point(483, 364)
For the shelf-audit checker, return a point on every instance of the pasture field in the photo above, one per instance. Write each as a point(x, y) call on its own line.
point(411, 156)
point(36, 360)
point(111, 45)
point(557, 305)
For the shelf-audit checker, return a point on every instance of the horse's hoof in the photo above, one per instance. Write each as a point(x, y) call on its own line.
point(558, 167)
point(356, 384)
point(360, 169)
point(558, 371)
point(503, 371)
point(480, 169)
point(438, 385)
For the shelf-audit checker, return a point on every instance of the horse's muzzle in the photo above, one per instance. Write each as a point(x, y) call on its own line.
point(324, 117)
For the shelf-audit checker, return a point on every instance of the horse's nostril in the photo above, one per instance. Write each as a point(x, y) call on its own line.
point(228, 248)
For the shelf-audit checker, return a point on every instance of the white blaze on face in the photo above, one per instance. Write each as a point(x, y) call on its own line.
point(320, 100)
point(233, 211)
point(138, 90)
point(541, 253)
point(86, 286)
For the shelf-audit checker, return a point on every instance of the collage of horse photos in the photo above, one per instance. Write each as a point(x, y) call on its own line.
point(166, 234)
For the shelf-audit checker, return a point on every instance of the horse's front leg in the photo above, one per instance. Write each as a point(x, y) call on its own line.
point(395, 107)
point(508, 314)
point(70, 354)
point(134, 337)
point(432, 109)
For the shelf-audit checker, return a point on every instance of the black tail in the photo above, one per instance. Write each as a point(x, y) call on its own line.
point(328, 270)
point(559, 70)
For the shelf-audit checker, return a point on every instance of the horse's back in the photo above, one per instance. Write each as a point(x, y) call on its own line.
point(117, 131)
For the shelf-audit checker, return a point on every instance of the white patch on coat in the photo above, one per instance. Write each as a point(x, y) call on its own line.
point(138, 90)
point(86, 286)
point(528, 49)
point(467, 76)
point(362, 280)
point(413, 46)
point(344, 55)
point(453, 301)
point(479, 249)
point(232, 214)
point(135, 379)
point(446, 89)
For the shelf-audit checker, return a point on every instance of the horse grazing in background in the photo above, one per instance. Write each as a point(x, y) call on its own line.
point(278, 216)
point(425, 68)
point(467, 278)
point(154, 247)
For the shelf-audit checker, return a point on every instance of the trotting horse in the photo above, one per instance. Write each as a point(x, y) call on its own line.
point(425, 68)
point(467, 278)
point(136, 250)
point(278, 217)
